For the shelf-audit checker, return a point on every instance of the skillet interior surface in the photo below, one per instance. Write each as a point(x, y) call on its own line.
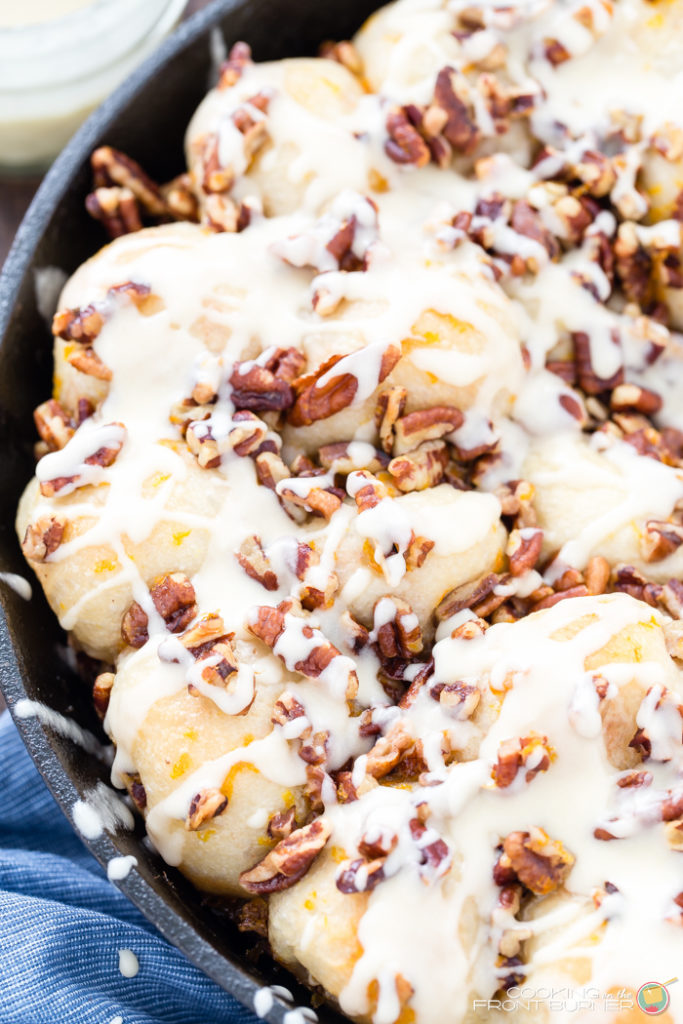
point(146, 118)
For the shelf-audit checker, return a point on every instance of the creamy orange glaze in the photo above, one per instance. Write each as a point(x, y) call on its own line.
point(458, 320)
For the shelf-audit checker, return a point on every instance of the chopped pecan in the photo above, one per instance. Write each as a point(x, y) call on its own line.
point(221, 663)
point(388, 751)
point(660, 540)
point(626, 397)
point(101, 692)
point(425, 425)
point(317, 401)
point(134, 626)
point(112, 167)
point(367, 490)
point(459, 699)
point(524, 549)
point(137, 791)
point(390, 406)
point(397, 628)
point(204, 806)
point(208, 440)
point(588, 379)
point(539, 862)
point(253, 560)
point(436, 854)
point(269, 624)
point(340, 457)
point(417, 552)
point(116, 208)
point(53, 424)
point(289, 860)
point(252, 916)
point(405, 145)
point(174, 598)
point(596, 575)
point(286, 709)
point(460, 128)
point(82, 325)
point(198, 639)
point(270, 469)
point(318, 500)
point(258, 388)
point(628, 580)
point(282, 824)
point(361, 875)
point(43, 537)
point(232, 69)
point(514, 754)
point(419, 469)
point(87, 361)
point(179, 198)
point(474, 595)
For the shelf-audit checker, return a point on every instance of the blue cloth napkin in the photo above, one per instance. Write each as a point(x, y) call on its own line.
point(62, 924)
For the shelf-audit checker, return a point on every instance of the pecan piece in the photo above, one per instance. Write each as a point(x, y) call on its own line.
point(397, 628)
point(101, 692)
point(43, 537)
point(514, 754)
point(282, 824)
point(540, 863)
point(361, 875)
point(419, 469)
point(116, 209)
point(405, 145)
point(270, 624)
point(137, 791)
point(232, 69)
point(425, 425)
point(460, 128)
point(82, 325)
point(288, 861)
point(627, 397)
point(388, 751)
point(53, 424)
point(88, 362)
point(174, 598)
point(660, 540)
point(260, 390)
point(390, 406)
point(317, 401)
point(524, 549)
point(588, 379)
point(204, 806)
point(134, 626)
point(112, 167)
point(471, 595)
point(253, 560)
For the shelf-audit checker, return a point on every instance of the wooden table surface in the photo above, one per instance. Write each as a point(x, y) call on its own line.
point(16, 194)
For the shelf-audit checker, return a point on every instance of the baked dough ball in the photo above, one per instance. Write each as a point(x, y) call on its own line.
point(402, 48)
point(304, 154)
point(468, 537)
point(168, 736)
point(313, 927)
point(598, 503)
point(90, 583)
point(463, 352)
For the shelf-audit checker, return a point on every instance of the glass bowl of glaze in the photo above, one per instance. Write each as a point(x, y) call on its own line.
point(58, 61)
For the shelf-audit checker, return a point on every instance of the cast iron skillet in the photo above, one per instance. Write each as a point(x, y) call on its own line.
point(146, 117)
